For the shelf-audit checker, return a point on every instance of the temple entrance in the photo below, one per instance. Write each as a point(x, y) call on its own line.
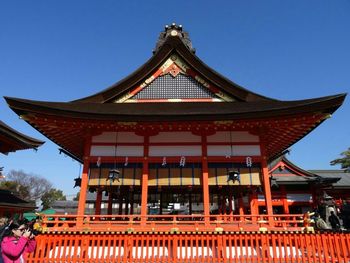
point(175, 200)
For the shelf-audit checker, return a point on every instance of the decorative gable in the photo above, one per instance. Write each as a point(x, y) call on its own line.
point(174, 81)
point(283, 171)
point(174, 88)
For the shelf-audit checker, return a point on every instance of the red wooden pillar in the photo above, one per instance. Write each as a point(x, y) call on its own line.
point(254, 209)
point(144, 183)
point(98, 202)
point(267, 187)
point(205, 181)
point(84, 179)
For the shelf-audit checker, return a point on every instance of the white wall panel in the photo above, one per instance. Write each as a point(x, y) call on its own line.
point(121, 151)
point(219, 150)
point(237, 136)
point(175, 137)
point(175, 151)
point(237, 150)
point(106, 137)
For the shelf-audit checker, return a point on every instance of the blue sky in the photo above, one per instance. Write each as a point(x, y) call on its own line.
point(62, 50)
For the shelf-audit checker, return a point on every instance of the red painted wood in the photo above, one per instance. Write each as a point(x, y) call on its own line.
point(144, 183)
point(84, 178)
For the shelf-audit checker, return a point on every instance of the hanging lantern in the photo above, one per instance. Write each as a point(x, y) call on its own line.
point(273, 182)
point(113, 174)
point(233, 176)
point(77, 182)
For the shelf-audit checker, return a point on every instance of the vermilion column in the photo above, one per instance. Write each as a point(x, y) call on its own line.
point(84, 178)
point(254, 210)
point(205, 180)
point(267, 187)
point(144, 183)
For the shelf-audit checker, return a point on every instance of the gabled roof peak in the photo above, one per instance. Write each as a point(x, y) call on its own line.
point(174, 30)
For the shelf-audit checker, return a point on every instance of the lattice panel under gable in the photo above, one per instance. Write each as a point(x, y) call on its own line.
point(179, 87)
point(174, 81)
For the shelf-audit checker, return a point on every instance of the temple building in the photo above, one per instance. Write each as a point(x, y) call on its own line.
point(11, 141)
point(177, 141)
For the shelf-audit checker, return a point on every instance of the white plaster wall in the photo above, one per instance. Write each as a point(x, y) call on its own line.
point(179, 150)
point(175, 137)
point(236, 136)
point(121, 151)
point(110, 137)
point(237, 150)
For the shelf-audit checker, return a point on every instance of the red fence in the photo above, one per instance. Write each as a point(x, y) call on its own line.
point(235, 247)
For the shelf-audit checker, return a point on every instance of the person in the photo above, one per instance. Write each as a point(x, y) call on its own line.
point(18, 240)
point(334, 221)
point(320, 223)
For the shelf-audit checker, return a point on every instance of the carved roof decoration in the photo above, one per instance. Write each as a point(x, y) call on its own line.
point(174, 30)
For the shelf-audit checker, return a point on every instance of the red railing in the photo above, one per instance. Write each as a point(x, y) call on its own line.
point(170, 223)
point(238, 247)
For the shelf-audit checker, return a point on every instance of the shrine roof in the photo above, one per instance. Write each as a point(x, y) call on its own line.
point(344, 176)
point(172, 111)
point(12, 140)
point(285, 172)
point(174, 41)
point(8, 199)
point(174, 85)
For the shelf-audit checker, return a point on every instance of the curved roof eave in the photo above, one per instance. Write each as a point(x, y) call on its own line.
point(187, 111)
point(173, 44)
point(20, 138)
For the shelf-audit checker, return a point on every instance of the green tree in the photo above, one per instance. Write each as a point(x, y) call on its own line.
point(48, 198)
point(28, 187)
point(344, 161)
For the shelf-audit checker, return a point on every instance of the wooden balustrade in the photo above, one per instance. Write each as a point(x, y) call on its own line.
point(170, 223)
point(237, 247)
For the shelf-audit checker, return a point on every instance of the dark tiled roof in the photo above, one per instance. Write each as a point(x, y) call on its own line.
point(173, 44)
point(12, 140)
point(8, 199)
point(344, 181)
point(187, 111)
